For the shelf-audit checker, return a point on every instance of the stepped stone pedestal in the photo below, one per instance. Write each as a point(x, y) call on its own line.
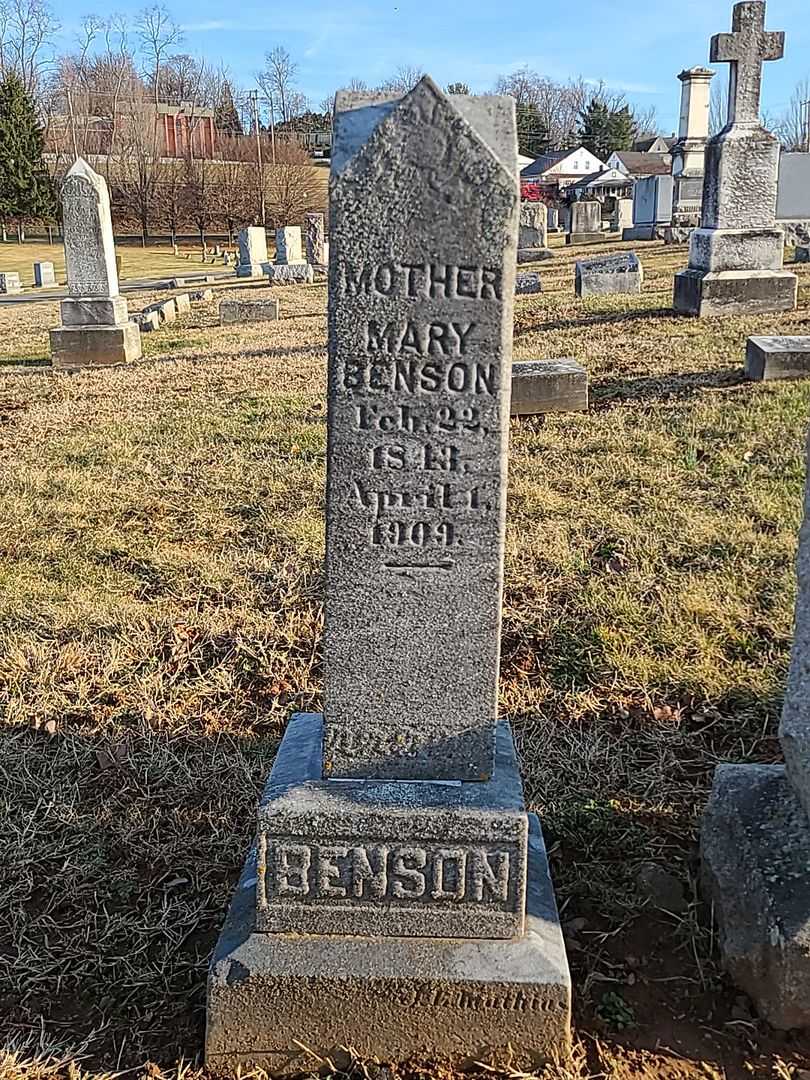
point(397, 900)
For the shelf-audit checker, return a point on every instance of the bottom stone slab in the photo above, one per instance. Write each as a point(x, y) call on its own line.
point(74, 347)
point(735, 292)
point(393, 999)
point(755, 846)
point(585, 238)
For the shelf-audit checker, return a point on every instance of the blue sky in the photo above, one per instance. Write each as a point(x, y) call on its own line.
point(638, 49)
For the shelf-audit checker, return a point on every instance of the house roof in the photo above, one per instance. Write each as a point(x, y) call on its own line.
point(642, 164)
point(604, 176)
point(546, 162)
point(643, 146)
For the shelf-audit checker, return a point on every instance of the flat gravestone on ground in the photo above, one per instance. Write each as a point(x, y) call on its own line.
point(289, 250)
point(548, 386)
point(44, 274)
point(736, 256)
point(253, 259)
point(244, 311)
point(399, 901)
point(611, 274)
point(96, 330)
point(584, 223)
point(302, 273)
point(770, 358)
point(756, 848)
point(803, 254)
point(528, 283)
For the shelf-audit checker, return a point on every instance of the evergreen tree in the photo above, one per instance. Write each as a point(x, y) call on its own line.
point(226, 117)
point(595, 129)
point(533, 136)
point(622, 130)
point(26, 189)
point(458, 88)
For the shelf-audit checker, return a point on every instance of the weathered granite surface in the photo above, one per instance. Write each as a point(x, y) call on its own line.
point(421, 295)
point(95, 330)
point(533, 225)
point(382, 858)
point(242, 311)
point(315, 240)
point(756, 871)
point(803, 254)
point(289, 248)
point(252, 252)
point(301, 273)
point(609, 274)
point(390, 998)
point(584, 223)
point(533, 255)
point(769, 358)
point(738, 232)
point(794, 733)
point(548, 386)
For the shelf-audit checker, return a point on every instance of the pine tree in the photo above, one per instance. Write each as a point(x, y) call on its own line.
point(595, 131)
point(226, 117)
point(533, 135)
point(458, 88)
point(622, 130)
point(26, 189)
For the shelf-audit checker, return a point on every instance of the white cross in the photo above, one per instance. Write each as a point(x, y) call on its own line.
point(746, 49)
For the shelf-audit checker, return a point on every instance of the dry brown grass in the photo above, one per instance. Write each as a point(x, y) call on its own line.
point(160, 618)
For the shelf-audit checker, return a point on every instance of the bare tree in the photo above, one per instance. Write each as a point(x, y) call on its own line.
point(236, 184)
point(718, 106)
point(27, 30)
point(793, 127)
point(403, 80)
point(278, 83)
point(290, 185)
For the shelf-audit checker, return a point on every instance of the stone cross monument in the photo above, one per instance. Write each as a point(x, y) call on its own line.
point(736, 256)
point(689, 152)
point(398, 899)
point(756, 848)
point(95, 328)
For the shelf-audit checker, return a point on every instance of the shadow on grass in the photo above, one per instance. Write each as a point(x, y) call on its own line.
point(607, 393)
point(607, 317)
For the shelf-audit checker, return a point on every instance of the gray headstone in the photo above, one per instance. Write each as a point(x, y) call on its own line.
point(252, 252)
point(421, 292)
point(769, 358)
point(548, 386)
point(300, 273)
point(87, 230)
point(533, 225)
point(316, 254)
point(10, 283)
point(44, 274)
point(736, 256)
point(422, 280)
point(528, 283)
point(288, 245)
point(793, 190)
point(585, 217)
point(243, 311)
point(611, 274)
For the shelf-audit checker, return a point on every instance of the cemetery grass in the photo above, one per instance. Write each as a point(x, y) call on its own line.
point(160, 618)
point(155, 260)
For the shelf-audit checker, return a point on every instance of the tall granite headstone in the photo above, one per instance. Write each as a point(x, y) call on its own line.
point(398, 901)
point(736, 256)
point(253, 261)
point(315, 240)
point(95, 329)
point(756, 847)
point(289, 249)
point(584, 222)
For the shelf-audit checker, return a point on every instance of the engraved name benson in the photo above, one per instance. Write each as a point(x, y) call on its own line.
point(380, 872)
point(422, 281)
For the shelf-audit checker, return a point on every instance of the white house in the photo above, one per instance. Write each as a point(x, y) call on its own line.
point(554, 172)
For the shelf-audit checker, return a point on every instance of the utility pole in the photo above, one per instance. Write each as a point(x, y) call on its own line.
point(254, 99)
point(272, 129)
point(72, 122)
